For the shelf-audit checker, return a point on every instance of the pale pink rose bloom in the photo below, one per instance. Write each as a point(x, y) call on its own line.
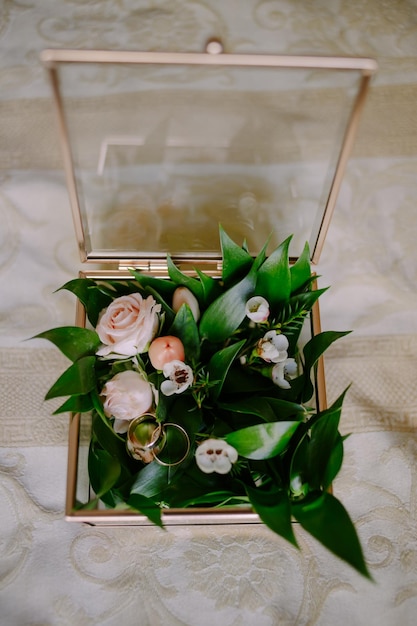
point(179, 377)
point(127, 395)
point(257, 309)
point(182, 295)
point(215, 455)
point(128, 325)
point(273, 347)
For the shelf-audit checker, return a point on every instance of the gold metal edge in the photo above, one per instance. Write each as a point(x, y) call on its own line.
point(53, 57)
point(345, 151)
point(171, 517)
point(320, 381)
point(50, 57)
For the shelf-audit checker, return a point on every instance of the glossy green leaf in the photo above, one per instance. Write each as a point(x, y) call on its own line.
point(274, 279)
point(220, 364)
point(109, 440)
point(301, 271)
point(216, 498)
point(79, 287)
point(334, 464)
point(78, 379)
point(185, 328)
point(325, 518)
point(262, 441)
point(317, 345)
point(147, 507)
point(335, 406)
point(179, 278)
point(73, 341)
point(269, 409)
point(90, 295)
point(305, 427)
point(164, 287)
point(274, 509)
point(211, 287)
point(236, 260)
point(153, 479)
point(76, 404)
point(298, 306)
point(324, 435)
point(225, 314)
point(103, 470)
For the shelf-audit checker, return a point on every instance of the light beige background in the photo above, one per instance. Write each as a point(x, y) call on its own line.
point(53, 573)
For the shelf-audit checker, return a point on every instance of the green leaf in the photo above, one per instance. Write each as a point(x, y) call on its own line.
point(220, 364)
point(323, 439)
point(325, 518)
point(299, 453)
point(76, 404)
point(274, 509)
point(301, 271)
point(269, 409)
point(298, 306)
point(179, 278)
point(262, 441)
point(103, 470)
point(334, 464)
point(164, 287)
point(211, 287)
point(274, 279)
point(147, 507)
point(78, 379)
point(73, 341)
point(317, 345)
point(91, 295)
point(236, 260)
point(109, 440)
point(217, 499)
point(225, 314)
point(185, 328)
point(153, 479)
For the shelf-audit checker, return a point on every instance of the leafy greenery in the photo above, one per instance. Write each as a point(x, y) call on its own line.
point(248, 404)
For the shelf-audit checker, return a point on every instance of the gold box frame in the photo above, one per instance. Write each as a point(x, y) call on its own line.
point(112, 517)
point(212, 56)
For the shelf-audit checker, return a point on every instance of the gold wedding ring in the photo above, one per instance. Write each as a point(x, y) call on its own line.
point(165, 448)
point(147, 438)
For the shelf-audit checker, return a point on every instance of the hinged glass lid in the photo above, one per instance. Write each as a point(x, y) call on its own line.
point(160, 148)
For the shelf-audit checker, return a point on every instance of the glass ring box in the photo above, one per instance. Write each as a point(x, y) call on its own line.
point(160, 148)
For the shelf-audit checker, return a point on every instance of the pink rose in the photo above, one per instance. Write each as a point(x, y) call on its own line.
point(128, 325)
point(127, 395)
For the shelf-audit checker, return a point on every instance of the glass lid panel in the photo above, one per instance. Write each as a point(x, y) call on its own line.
point(164, 153)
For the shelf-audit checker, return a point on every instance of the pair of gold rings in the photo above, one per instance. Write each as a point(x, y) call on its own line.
point(148, 440)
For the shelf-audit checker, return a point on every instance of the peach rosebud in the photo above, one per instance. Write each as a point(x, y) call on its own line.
point(181, 296)
point(164, 350)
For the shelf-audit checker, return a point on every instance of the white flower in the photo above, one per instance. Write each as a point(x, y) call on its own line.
point(257, 309)
point(182, 295)
point(215, 455)
point(273, 347)
point(179, 377)
point(128, 325)
point(127, 395)
point(287, 367)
